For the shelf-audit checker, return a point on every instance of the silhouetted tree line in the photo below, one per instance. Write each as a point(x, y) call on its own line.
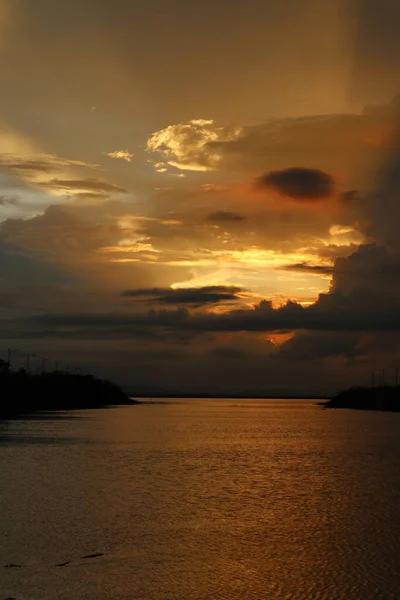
point(22, 392)
point(385, 398)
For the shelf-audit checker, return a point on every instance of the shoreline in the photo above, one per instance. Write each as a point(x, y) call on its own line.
point(380, 399)
point(26, 394)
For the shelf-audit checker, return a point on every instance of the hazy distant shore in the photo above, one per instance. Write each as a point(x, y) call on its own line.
point(227, 396)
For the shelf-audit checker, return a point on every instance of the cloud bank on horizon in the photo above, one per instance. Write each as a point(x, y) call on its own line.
point(219, 214)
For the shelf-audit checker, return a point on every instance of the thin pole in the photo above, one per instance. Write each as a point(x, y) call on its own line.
point(28, 359)
point(10, 352)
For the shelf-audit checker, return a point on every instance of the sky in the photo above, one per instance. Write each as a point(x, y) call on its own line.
point(202, 198)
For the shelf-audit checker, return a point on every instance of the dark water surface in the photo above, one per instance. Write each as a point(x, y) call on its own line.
point(202, 499)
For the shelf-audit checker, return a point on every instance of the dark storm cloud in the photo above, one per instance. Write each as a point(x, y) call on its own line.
point(307, 268)
point(375, 76)
point(28, 282)
point(191, 296)
point(18, 265)
point(351, 346)
point(372, 269)
point(299, 183)
point(366, 282)
point(91, 322)
point(353, 305)
point(66, 232)
point(334, 251)
point(311, 345)
point(382, 208)
point(221, 216)
point(94, 185)
point(332, 312)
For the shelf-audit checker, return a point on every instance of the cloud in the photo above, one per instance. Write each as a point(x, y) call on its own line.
point(354, 304)
point(381, 208)
point(299, 183)
point(317, 345)
point(221, 216)
point(365, 284)
point(84, 185)
point(121, 154)
point(190, 296)
point(29, 281)
point(184, 146)
point(372, 269)
point(349, 144)
point(334, 251)
point(308, 268)
point(121, 88)
point(66, 231)
point(96, 198)
point(36, 172)
point(9, 200)
point(40, 163)
point(333, 313)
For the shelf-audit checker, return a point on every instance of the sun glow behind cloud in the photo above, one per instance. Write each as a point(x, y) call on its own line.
point(254, 268)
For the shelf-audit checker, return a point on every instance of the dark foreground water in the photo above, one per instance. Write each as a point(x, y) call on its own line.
point(202, 499)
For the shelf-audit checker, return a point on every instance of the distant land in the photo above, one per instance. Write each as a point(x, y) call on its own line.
point(262, 394)
point(384, 398)
point(23, 393)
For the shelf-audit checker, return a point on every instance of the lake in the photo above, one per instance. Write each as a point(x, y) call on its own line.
point(201, 499)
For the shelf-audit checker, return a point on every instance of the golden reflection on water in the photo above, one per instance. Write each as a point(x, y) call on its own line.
point(202, 499)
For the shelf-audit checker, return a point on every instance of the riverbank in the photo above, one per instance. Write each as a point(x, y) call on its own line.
point(384, 398)
point(23, 393)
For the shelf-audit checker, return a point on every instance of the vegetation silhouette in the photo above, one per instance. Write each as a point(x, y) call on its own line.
point(24, 393)
point(384, 398)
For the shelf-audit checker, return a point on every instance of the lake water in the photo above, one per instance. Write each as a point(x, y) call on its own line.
point(202, 499)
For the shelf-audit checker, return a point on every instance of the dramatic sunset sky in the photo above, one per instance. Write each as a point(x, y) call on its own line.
point(202, 196)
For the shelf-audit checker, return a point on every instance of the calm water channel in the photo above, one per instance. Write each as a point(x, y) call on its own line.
point(201, 499)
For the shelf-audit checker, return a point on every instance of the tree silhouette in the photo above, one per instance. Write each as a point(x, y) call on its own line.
point(22, 392)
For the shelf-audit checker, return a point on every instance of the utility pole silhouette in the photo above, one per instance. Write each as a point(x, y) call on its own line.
point(44, 359)
point(396, 373)
point(28, 362)
point(9, 354)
